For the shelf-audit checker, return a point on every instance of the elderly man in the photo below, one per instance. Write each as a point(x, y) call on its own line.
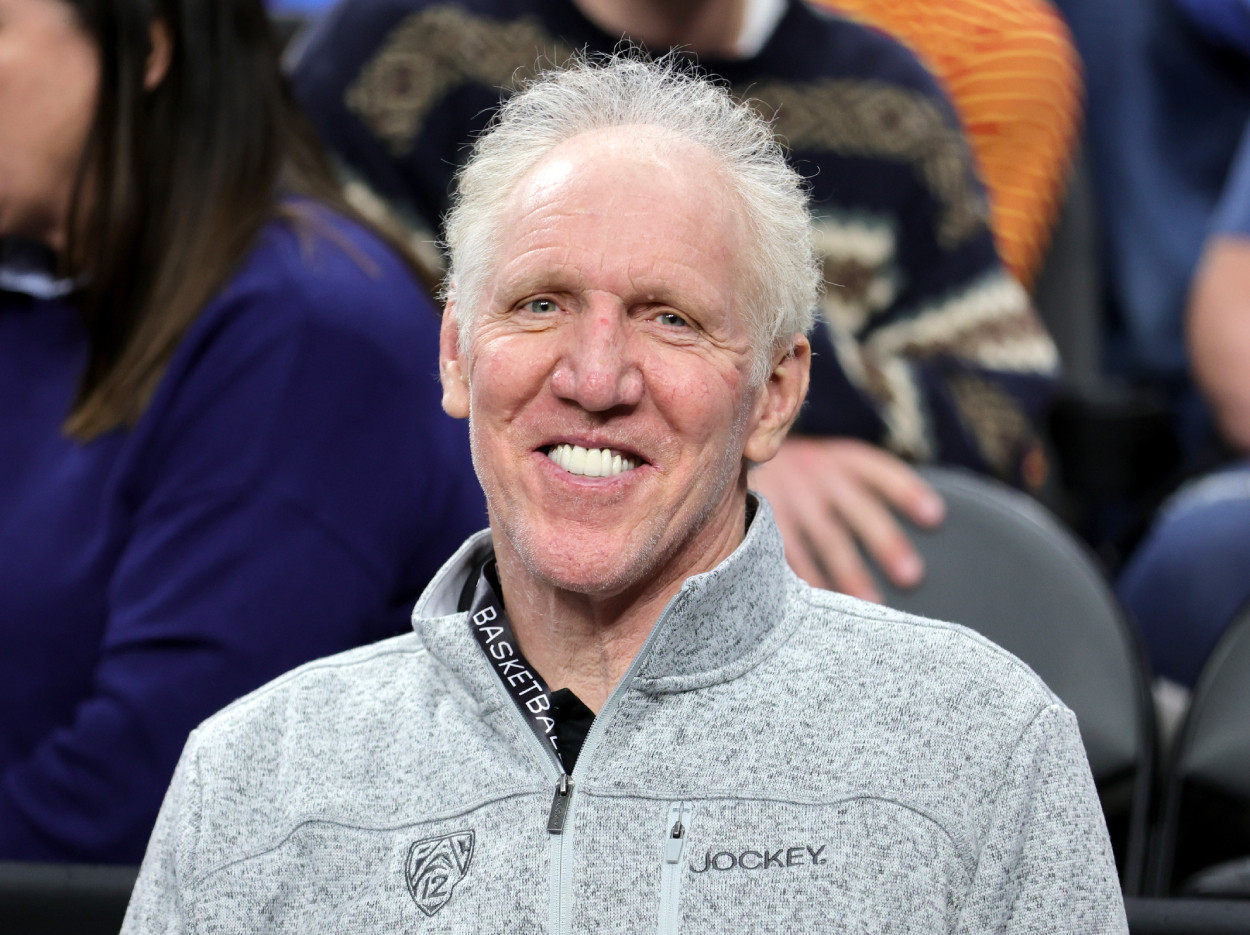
point(620, 710)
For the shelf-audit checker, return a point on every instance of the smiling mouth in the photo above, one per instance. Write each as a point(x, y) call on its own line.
point(592, 462)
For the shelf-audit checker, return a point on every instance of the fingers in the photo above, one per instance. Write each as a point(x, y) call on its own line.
point(822, 553)
point(834, 552)
point(780, 486)
point(801, 557)
point(865, 513)
point(895, 480)
point(828, 493)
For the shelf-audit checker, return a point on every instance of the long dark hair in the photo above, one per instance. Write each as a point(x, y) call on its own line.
point(174, 185)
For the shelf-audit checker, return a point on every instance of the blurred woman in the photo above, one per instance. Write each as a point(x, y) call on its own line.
point(221, 446)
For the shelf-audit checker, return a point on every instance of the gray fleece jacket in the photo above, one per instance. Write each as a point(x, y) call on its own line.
point(776, 758)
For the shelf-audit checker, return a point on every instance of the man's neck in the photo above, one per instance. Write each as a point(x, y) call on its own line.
point(586, 642)
point(706, 27)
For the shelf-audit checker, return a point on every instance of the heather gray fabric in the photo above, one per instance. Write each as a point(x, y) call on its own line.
point(839, 767)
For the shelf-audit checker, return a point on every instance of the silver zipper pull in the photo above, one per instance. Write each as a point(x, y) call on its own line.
point(677, 833)
point(672, 850)
point(560, 805)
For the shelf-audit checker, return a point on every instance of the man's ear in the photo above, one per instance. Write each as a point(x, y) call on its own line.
point(452, 367)
point(779, 401)
point(160, 52)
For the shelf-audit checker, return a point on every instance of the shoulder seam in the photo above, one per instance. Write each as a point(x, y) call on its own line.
point(903, 618)
point(330, 662)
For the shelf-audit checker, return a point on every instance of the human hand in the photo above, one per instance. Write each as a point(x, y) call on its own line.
point(829, 492)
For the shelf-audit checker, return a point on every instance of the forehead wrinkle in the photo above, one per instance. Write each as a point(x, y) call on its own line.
point(652, 282)
point(524, 254)
point(551, 255)
point(585, 215)
point(669, 156)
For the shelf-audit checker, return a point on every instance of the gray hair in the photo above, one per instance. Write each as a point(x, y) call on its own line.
point(623, 90)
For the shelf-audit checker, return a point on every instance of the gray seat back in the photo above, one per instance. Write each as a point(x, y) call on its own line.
point(1187, 916)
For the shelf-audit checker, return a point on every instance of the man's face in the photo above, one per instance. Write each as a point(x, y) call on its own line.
point(611, 321)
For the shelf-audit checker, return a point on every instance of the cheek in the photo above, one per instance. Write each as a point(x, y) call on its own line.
point(48, 96)
point(700, 403)
point(67, 134)
point(506, 374)
point(80, 102)
point(62, 81)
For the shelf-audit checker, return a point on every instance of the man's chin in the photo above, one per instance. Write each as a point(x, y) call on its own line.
point(591, 563)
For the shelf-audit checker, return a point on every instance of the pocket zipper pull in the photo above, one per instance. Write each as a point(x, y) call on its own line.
point(560, 805)
point(676, 841)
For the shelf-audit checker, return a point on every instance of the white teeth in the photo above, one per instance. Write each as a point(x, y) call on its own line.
point(595, 462)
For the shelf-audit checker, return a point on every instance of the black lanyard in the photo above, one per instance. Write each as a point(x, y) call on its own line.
point(493, 630)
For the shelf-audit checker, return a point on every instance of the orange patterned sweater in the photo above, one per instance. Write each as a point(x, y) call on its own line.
point(1013, 75)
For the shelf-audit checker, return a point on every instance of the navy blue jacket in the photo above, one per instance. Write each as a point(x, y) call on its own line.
point(286, 495)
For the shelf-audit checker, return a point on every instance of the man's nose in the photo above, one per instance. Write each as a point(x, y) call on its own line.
point(597, 369)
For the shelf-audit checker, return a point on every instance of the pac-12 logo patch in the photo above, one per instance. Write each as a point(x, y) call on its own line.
point(435, 866)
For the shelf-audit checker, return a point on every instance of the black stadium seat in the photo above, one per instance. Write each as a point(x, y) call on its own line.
point(1069, 294)
point(1206, 816)
point(1187, 916)
point(1002, 565)
point(63, 899)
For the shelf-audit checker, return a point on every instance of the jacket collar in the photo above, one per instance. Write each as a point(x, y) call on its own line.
point(720, 624)
point(29, 268)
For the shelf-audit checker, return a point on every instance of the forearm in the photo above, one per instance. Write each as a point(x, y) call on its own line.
point(954, 411)
point(89, 792)
point(1218, 334)
point(989, 421)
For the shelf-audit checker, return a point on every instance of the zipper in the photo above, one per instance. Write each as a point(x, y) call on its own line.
point(676, 831)
point(560, 817)
point(561, 857)
point(561, 920)
point(560, 805)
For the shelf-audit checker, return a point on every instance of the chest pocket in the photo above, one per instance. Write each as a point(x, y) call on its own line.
point(863, 865)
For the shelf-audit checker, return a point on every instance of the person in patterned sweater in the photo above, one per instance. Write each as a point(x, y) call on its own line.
point(927, 350)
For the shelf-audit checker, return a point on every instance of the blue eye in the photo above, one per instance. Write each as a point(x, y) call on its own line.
point(672, 319)
point(541, 306)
